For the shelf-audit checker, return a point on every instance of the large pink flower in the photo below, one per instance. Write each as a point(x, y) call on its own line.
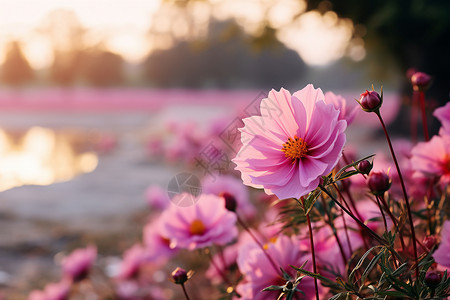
point(432, 158)
point(201, 225)
point(296, 140)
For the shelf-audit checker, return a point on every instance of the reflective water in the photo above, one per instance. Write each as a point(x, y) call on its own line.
point(42, 156)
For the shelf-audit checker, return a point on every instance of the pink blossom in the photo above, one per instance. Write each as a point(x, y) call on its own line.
point(296, 140)
point(432, 158)
point(442, 254)
point(259, 273)
point(345, 113)
point(77, 265)
point(131, 263)
point(156, 197)
point(328, 253)
point(200, 225)
point(443, 114)
point(233, 186)
point(221, 263)
point(157, 244)
point(52, 291)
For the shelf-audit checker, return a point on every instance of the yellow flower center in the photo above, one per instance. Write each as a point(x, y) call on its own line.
point(197, 227)
point(295, 148)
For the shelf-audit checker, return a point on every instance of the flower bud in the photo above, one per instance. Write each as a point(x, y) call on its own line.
point(432, 279)
point(230, 201)
point(370, 101)
point(179, 275)
point(420, 81)
point(378, 183)
point(429, 242)
point(365, 167)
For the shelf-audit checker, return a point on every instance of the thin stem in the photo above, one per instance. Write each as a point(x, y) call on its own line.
point(424, 115)
point(333, 229)
point(364, 226)
point(394, 220)
point(405, 195)
point(185, 292)
point(219, 270)
point(272, 262)
point(382, 214)
point(313, 253)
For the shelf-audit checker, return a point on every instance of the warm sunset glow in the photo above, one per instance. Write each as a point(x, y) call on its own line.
point(41, 157)
point(319, 39)
point(133, 28)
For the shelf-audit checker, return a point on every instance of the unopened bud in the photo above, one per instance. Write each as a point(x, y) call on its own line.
point(432, 279)
point(370, 101)
point(365, 167)
point(230, 201)
point(420, 81)
point(429, 242)
point(378, 183)
point(179, 276)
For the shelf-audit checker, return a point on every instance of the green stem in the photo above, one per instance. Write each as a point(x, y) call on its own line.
point(405, 195)
point(313, 253)
point(185, 292)
point(364, 226)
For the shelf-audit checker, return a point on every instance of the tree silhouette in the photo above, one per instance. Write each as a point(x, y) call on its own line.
point(226, 57)
point(16, 70)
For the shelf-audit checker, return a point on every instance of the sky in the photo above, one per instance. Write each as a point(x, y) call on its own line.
point(122, 26)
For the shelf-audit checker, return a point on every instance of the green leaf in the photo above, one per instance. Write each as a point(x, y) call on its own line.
point(273, 288)
point(308, 203)
point(360, 262)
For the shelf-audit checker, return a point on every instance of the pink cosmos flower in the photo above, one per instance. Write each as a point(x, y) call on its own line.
point(52, 291)
point(432, 158)
point(443, 114)
point(442, 254)
point(131, 263)
point(201, 225)
point(233, 186)
point(76, 266)
point(345, 113)
point(259, 273)
point(296, 140)
point(158, 245)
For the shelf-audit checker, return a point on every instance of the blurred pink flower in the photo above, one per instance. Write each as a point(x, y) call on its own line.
point(158, 245)
point(131, 263)
point(233, 186)
point(328, 254)
point(297, 140)
point(157, 197)
point(52, 291)
point(432, 158)
point(77, 265)
point(203, 224)
point(259, 273)
point(442, 254)
point(340, 103)
point(221, 263)
point(443, 114)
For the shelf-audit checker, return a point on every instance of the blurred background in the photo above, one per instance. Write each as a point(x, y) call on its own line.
point(93, 91)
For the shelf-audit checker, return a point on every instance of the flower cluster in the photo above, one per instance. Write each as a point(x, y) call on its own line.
point(324, 221)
